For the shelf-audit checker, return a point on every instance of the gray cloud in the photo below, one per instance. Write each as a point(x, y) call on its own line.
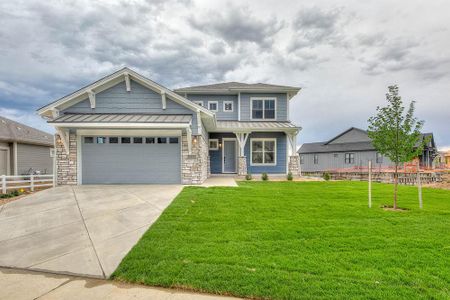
point(237, 25)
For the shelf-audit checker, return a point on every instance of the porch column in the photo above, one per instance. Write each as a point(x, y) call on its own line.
point(294, 158)
point(242, 160)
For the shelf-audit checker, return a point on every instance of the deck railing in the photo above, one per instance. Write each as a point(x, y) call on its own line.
point(30, 182)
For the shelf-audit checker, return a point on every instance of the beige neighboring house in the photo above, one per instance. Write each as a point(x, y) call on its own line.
point(24, 150)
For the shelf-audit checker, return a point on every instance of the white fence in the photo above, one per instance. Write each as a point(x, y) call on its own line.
point(15, 182)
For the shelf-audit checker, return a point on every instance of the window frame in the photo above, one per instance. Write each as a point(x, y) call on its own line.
point(351, 158)
point(116, 137)
point(302, 159)
point(213, 148)
point(217, 106)
point(264, 99)
point(378, 158)
point(88, 137)
point(228, 102)
point(275, 151)
point(199, 102)
point(316, 159)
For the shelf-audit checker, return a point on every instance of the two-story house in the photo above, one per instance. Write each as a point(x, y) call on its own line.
point(126, 128)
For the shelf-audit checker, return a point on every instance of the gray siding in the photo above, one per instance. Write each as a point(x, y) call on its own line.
point(139, 100)
point(351, 137)
point(131, 163)
point(34, 157)
point(281, 107)
point(328, 161)
point(220, 114)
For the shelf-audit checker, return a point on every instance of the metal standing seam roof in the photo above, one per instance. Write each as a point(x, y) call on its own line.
point(16, 132)
point(122, 118)
point(255, 125)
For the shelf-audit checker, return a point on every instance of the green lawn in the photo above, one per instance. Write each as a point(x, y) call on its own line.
point(286, 240)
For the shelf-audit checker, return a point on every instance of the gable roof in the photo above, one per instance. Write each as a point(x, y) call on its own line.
point(345, 132)
point(112, 79)
point(230, 87)
point(12, 131)
point(325, 147)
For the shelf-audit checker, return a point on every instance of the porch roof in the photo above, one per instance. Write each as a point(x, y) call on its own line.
point(247, 126)
point(122, 118)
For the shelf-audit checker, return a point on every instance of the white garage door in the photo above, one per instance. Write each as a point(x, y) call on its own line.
point(130, 160)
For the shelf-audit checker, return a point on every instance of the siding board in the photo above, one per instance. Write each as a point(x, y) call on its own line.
point(34, 157)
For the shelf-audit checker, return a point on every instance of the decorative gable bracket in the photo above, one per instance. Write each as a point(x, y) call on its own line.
point(163, 99)
point(64, 136)
point(127, 82)
point(91, 95)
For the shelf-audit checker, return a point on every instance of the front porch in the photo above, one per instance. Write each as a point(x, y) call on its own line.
point(253, 152)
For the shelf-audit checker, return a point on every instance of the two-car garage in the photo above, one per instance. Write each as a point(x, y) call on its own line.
point(130, 159)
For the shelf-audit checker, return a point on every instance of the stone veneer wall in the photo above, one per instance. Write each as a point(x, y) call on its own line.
point(242, 165)
point(194, 166)
point(294, 165)
point(66, 164)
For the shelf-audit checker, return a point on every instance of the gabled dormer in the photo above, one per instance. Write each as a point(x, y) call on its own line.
point(243, 102)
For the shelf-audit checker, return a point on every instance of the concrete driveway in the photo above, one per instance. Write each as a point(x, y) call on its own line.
point(82, 230)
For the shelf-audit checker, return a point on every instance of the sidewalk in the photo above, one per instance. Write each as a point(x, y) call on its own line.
point(26, 285)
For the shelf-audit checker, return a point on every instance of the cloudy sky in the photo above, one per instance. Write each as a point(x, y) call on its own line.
point(343, 54)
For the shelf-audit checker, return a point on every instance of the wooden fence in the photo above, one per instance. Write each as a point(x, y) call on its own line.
point(386, 177)
point(29, 182)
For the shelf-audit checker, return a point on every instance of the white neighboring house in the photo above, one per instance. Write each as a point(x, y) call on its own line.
point(24, 150)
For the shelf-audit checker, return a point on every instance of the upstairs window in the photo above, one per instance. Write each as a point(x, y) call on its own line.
point(228, 106)
point(302, 159)
point(316, 159)
point(349, 158)
point(213, 105)
point(263, 108)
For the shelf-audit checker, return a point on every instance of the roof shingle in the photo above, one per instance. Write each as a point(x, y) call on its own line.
point(13, 131)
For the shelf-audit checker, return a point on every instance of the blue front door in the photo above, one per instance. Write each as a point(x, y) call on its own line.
point(229, 156)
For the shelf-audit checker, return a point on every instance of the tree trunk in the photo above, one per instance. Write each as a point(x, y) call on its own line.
point(395, 186)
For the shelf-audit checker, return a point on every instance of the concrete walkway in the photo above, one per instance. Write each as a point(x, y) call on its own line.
point(82, 230)
point(27, 285)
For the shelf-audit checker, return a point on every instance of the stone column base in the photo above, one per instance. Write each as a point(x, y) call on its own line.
point(294, 165)
point(242, 165)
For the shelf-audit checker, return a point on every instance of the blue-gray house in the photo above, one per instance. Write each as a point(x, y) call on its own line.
point(126, 128)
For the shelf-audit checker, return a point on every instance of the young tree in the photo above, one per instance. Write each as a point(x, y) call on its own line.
point(396, 134)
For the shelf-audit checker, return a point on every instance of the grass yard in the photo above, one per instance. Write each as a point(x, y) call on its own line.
point(289, 240)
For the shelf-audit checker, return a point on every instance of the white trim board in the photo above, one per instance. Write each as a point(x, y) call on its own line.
point(121, 132)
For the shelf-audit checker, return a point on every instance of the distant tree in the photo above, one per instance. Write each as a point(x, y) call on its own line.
point(396, 134)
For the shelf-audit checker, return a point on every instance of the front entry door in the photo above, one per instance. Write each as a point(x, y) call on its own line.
point(229, 156)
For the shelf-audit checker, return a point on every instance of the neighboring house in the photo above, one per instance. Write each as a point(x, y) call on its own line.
point(125, 128)
point(353, 148)
point(444, 159)
point(24, 150)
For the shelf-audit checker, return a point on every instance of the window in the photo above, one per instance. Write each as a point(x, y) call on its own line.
point(173, 140)
point(316, 159)
point(137, 140)
point(52, 152)
point(213, 144)
point(125, 140)
point(100, 140)
point(379, 158)
point(263, 151)
point(162, 140)
point(213, 105)
point(349, 158)
point(263, 108)
point(88, 140)
point(200, 103)
point(149, 140)
point(302, 159)
point(113, 140)
point(228, 106)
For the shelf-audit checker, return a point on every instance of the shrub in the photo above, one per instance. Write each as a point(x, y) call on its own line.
point(326, 176)
point(289, 176)
point(14, 193)
point(248, 176)
point(264, 176)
